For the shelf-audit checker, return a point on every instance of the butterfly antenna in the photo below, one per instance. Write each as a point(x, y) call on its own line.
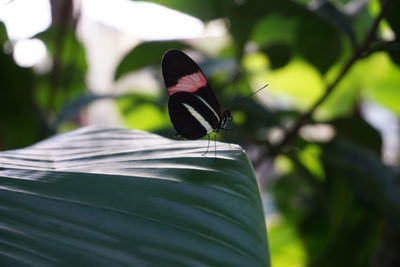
point(250, 95)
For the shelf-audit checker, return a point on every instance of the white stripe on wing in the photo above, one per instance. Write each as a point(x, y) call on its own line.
point(199, 118)
point(208, 105)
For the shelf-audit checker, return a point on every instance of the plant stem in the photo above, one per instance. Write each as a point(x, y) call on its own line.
point(61, 17)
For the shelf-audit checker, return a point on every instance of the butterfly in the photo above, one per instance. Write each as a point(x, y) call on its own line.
point(193, 108)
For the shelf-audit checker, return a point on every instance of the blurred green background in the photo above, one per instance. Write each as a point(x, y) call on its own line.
point(324, 136)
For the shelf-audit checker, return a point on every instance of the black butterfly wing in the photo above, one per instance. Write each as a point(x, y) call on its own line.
point(193, 108)
point(181, 73)
point(183, 108)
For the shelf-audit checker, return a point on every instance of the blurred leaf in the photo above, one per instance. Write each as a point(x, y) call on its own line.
point(315, 29)
point(3, 34)
point(296, 195)
point(298, 81)
point(146, 117)
point(342, 100)
point(362, 17)
point(138, 111)
point(394, 51)
point(256, 115)
point(72, 108)
point(19, 118)
point(359, 132)
point(392, 48)
point(359, 190)
point(246, 16)
point(392, 16)
point(386, 91)
point(380, 85)
point(278, 54)
point(142, 112)
point(219, 71)
point(66, 79)
point(310, 158)
point(145, 54)
point(241, 24)
point(286, 247)
point(346, 234)
point(274, 28)
point(332, 14)
point(73, 51)
point(288, 8)
point(318, 42)
point(340, 103)
point(369, 178)
point(339, 218)
point(99, 196)
point(202, 9)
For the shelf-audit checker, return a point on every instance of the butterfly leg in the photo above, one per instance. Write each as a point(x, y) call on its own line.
point(215, 145)
point(208, 145)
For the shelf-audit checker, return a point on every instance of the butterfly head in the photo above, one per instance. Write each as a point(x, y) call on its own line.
point(226, 118)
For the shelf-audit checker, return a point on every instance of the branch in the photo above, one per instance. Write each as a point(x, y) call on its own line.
point(303, 119)
point(62, 16)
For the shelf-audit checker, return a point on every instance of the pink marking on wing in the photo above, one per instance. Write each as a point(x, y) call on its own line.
point(189, 83)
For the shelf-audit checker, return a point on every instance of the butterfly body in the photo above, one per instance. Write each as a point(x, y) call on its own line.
point(193, 108)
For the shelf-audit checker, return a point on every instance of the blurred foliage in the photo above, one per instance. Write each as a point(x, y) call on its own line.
point(153, 51)
point(66, 80)
point(286, 248)
point(19, 116)
point(338, 196)
point(342, 217)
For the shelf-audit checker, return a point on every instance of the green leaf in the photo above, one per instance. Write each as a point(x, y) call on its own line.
point(274, 28)
point(67, 77)
point(279, 54)
point(248, 20)
point(286, 246)
point(369, 179)
point(256, 116)
point(202, 9)
point(142, 112)
point(318, 42)
point(19, 117)
point(304, 86)
point(146, 54)
point(335, 17)
point(392, 16)
point(339, 218)
point(359, 132)
point(391, 47)
point(98, 196)
point(72, 108)
point(380, 85)
point(3, 33)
